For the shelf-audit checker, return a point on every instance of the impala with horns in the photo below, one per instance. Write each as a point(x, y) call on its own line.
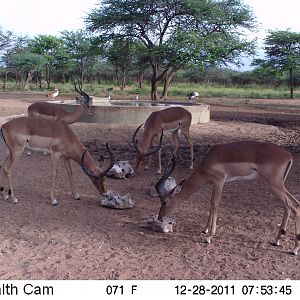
point(236, 161)
point(55, 112)
point(170, 119)
point(56, 138)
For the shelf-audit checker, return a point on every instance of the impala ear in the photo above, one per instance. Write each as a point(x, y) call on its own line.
point(177, 189)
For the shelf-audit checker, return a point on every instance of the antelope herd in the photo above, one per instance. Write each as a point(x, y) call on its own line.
point(47, 129)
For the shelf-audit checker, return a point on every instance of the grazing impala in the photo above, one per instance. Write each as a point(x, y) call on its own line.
point(54, 137)
point(170, 119)
point(235, 161)
point(55, 112)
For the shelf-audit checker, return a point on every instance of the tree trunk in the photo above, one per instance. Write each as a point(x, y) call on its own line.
point(140, 78)
point(81, 72)
point(123, 80)
point(291, 83)
point(167, 81)
point(5, 79)
point(48, 76)
point(154, 93)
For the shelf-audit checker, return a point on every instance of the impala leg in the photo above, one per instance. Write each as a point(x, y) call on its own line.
point(147, 166)
point(68, 167)
point(159, 162)
point(175, 142)
point(212, 218)
point(55, 159)
point(279, 191)
point(7, 164)
point(283, 225)
point(189, 141)
point(297, 231)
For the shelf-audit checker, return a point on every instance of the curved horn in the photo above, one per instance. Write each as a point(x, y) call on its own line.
point(104, 173)
point(76, 89)
point(134, 141)
point(160, 185)
point(158, 147)
point(82, 93)
point(84, 169)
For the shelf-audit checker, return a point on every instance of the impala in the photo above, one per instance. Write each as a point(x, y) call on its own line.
point(56, 138)
point(230, 162)
point(55, 112)
point(170, 119)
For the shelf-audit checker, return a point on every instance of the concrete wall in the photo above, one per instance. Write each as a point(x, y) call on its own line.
point(135, 115)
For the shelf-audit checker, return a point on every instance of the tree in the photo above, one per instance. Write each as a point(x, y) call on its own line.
point(175, 33)
point(121, 63)
point(25, 64)
point(5, 39)
point(282, 50)
point(51, 48)
point(16, 44)
point(79, 46)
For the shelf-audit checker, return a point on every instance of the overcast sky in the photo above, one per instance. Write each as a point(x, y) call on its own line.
point(33, 17)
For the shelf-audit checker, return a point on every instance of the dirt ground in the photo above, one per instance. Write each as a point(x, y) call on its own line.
point(82, 240)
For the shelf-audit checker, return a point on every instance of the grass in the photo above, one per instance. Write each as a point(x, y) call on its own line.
point(178, 90)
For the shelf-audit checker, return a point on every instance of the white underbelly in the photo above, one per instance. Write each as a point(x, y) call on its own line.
point(44, 150)
point(171, 129)
point(39, 144)
point(247, 177)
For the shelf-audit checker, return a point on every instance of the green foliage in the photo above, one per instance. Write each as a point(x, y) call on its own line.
point(80, 47)
point(282, 53)
point(283, 49)
point(176, 33)
point(5, 39)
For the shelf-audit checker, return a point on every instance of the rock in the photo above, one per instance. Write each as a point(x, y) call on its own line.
point(154, 224)
point(114, 200)
point(121, 170)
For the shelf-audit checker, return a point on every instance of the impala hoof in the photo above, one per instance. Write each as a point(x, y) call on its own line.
point(207, 241)
point(54, 202)
point(275, 244)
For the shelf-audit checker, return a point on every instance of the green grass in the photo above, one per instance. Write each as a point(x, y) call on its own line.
point(177, 90)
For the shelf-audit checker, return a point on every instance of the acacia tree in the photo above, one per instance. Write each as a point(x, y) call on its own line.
point(5, 39)
point(282, 50)
point(16, 45)
point(121, 54)
point(50, 47)
point(25, 64)
point(80, 48)
point(175, 33)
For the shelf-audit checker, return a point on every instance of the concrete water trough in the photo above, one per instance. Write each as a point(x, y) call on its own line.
point(126, 112)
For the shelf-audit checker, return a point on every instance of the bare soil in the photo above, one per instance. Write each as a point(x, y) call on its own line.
point(82, 240)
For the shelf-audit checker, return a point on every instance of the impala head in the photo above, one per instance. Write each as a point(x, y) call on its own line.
point(85, 102)
point(145, 145)
point(168, 201)
point(98, 177)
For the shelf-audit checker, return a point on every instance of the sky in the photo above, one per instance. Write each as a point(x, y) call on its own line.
point(34, 17)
